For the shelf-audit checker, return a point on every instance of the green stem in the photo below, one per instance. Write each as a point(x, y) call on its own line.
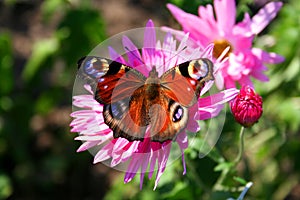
point(241, 149)
point(219, 184)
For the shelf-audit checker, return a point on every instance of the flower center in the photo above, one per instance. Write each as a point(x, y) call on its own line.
point(220, 46)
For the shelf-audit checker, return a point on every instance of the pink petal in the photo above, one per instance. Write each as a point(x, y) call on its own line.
point(245, 80)
point(266, 57)
point(208, 51)
point(122, 151)
point(82, 113)
point(88, 88)
point(219, 80)
point(166, 52)
point(87, 145)
point(209, 112)
point(87, 101)
point(183, 163)
point(132, 169)
point(182, 140)
point(162, 162)
point(115, 56)
point(169, 44)
point(243, 29)
point(148, 49)
point(180, 35)
point(207, 13)
point(128, 177)
point(119, 145)
point(219, 98)
point(104, 153)
point(206, 87)
point(229, 82)
point(209, 25)
point(152, 163)
point(192, 125)
point(144, 167)
point(265, 16)
point(212, 105)
point(191, 23)
point(259, 75)
point(99, 138)
point(126, 154)
point(226, 13)
point(134, 56)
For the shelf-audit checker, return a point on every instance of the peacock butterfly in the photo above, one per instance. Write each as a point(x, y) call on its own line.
point(133, 103)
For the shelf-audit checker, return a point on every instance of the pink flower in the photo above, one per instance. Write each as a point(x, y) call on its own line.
point(143, 156)
point(247, 107)
point(244, 60)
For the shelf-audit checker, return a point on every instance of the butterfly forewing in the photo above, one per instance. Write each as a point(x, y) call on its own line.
point(184, 82)
point(115, 87)
point(114, 80)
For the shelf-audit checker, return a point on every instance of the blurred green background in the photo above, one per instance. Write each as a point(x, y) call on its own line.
point(40, 43)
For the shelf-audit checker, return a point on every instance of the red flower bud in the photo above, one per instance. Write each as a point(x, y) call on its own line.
point(247, 107)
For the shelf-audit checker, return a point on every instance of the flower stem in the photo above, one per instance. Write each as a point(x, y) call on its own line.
point(219, 184)
point(241, 148)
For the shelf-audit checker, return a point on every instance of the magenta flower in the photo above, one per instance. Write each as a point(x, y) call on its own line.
point(247, 107)
point(143, 156)
point(244, 61)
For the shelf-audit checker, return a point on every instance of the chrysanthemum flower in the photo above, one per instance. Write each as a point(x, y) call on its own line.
point(221, 29)
point(247, 106)
point(143, 156)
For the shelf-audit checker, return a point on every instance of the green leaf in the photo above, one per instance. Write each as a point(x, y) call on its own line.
point(50, 7)
point(224, 166)
point(240, 180)
point(6, 64)
point(5, 187)
point(41, 51)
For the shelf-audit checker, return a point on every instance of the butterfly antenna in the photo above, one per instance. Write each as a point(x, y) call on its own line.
point(177, 53)
point(174, 55)
point(184, 48)
point(126, 48)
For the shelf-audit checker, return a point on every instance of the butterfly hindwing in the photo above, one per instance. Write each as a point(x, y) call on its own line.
point(119, 119)
point(167, 119)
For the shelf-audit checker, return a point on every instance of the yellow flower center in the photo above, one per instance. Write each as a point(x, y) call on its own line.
point(220, 46)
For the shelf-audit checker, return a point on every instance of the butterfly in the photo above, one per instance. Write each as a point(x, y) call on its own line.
point(133, 103)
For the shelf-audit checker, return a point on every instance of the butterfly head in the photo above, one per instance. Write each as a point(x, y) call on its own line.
point(153, 73)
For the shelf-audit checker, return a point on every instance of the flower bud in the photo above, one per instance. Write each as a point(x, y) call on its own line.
point(247, 107)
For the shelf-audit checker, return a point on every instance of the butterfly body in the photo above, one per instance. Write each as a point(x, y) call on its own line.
point(136, 106)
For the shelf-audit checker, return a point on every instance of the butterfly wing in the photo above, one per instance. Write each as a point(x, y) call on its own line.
point(128, 118)
point(167, 119)
point(184, 82)
point(114, 81)
point(180, 89)
point(116, 85)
